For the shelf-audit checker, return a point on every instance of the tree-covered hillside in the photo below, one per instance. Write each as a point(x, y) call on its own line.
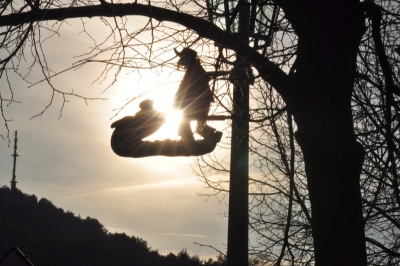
point(51, 236)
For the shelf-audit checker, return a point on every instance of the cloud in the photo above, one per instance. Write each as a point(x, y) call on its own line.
point(186, 235)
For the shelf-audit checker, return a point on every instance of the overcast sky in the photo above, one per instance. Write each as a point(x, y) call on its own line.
point(69, 161)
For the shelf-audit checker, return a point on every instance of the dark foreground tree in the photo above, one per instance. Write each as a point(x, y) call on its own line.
point(312, 65)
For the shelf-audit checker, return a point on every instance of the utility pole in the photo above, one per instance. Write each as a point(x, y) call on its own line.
point(251, 19)
point(238, 217)
point(15, 155)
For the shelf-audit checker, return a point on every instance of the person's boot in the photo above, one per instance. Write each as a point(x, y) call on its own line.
point(210, 134)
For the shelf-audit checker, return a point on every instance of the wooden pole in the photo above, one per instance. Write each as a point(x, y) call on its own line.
point(238, 217)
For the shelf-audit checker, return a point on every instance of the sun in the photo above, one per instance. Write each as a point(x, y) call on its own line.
point(169, 130)
point(158, 88)
point(162, 103)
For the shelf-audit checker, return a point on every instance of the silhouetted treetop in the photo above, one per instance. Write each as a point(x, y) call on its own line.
point(51, 236)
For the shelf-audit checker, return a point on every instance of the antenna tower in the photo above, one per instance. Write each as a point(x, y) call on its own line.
point(15, 155)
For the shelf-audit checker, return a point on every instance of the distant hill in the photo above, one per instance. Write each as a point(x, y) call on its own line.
point(49, 236)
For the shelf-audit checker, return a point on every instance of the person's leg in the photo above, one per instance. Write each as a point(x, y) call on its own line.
point(185, 131)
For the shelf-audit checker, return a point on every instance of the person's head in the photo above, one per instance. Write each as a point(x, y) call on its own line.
point(187, 57)
point(146, 105)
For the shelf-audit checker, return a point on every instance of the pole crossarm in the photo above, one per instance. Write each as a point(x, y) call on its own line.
point(218, 117)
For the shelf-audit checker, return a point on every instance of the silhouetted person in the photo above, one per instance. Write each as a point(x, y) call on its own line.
point(194, 97)
point(145, 122)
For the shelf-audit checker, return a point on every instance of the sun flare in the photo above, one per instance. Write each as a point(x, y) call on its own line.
point(169, 130)
point(160, 89)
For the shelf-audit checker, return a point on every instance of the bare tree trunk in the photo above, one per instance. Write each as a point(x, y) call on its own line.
point(323, 76)
point(337, 224)
point(333, 161)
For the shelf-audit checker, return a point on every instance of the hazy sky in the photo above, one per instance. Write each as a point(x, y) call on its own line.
point(69, 161)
